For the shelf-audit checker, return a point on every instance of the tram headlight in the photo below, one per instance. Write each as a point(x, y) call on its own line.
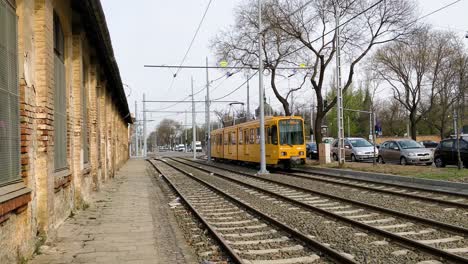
point(301, 153)
point(284, 153)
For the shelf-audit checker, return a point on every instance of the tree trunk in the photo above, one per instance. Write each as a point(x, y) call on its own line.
point(413, 125)
point(318, 129)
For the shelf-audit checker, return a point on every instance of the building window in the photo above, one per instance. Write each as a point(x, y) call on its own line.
point(60, 99)
point(84, 113)
point(9, 104)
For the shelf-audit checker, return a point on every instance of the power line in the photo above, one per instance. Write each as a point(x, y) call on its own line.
point(191, 42)
point(240, 86)
point(437, 10)
point(339, 26)
point(364, 11)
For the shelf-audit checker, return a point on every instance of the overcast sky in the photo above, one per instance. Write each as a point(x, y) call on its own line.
point(159, 32)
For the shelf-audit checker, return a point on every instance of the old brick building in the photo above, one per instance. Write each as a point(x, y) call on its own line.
point(63, 116)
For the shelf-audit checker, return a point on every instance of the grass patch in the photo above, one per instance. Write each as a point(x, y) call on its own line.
point(426, 172)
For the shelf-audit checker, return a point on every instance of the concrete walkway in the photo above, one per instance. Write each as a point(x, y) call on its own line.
point(128, 222)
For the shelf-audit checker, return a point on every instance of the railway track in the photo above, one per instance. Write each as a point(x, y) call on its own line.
point(437, 209)
point(436, 238)
point(437, 196)
point(247, 235)
point(448, 198)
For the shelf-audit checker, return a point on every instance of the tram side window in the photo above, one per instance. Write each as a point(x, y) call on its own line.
point(240, 136)
point(252, 136)
point(274, 135)
point(268, 135)
point(233, 138)
point(226, 139)
point(258, 136)
point(246, 136)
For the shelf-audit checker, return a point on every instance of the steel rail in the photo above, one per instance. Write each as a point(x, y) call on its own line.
point(382, 183)
point(312, 177)
point(408, 242)
point(235, 257)
point(313, 244)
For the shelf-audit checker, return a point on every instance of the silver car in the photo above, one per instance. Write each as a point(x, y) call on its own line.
point(404, 151)
point(356, 149)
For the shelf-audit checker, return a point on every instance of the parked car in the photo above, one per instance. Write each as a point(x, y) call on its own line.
point(311, 150)
point(404, 151)
point(446, 153)
point(356, 149)
point(180, 147)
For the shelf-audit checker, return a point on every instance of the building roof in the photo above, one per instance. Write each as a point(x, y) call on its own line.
point(94, 21)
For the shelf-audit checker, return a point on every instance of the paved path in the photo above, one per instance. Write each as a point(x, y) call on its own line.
point(129, 222)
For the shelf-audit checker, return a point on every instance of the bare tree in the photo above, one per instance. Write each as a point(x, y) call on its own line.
point(239, 45)
point(167, 131)
point(368, 24)
point(392, 117)
point(422, 74)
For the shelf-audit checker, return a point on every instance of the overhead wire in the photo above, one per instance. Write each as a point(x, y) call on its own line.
point(191, 43)
point(240, 86)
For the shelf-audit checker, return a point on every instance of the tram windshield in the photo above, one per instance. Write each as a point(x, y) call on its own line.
point(291, 132)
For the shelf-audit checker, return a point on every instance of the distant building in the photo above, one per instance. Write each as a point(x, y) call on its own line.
point(63, 116)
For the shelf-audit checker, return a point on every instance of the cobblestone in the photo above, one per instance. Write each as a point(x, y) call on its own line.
point(128, 222)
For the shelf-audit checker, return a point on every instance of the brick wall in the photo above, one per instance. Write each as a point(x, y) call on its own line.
point(54, 195)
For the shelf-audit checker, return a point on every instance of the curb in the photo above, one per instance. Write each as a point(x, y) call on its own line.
point(404, 181)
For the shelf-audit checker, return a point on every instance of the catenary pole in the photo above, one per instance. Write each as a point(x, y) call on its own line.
point(339, 94)
point(312, 135)
point(248, 99)
point(185, 128)
point(136, 129)
point(373, 135)
point(194, 124)
point(457, 136)
point(208, 128)
point(263, 169)
point(144, 129)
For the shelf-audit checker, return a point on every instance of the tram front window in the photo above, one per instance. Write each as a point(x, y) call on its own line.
point(291, 132)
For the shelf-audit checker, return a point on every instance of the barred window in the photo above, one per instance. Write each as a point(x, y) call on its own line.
point(9, 103)
point(60, 102)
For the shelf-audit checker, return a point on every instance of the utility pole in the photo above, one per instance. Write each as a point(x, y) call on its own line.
point(371, 129)
point(349, 128)
point(185, 128)
point(455, 128)
point(194, 133)
point(263, 169)
point(136, 129)
point(248, 99)
point(312, 122)
point(373, 134)
point(144, 129)
point(339, 94)
point(208, 128)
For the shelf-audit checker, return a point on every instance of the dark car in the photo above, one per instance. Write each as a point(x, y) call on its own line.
point(429, 144)
point(446, 153)
point(311, 149)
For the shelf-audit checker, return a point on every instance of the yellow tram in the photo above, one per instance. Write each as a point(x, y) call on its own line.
point(284, 141)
